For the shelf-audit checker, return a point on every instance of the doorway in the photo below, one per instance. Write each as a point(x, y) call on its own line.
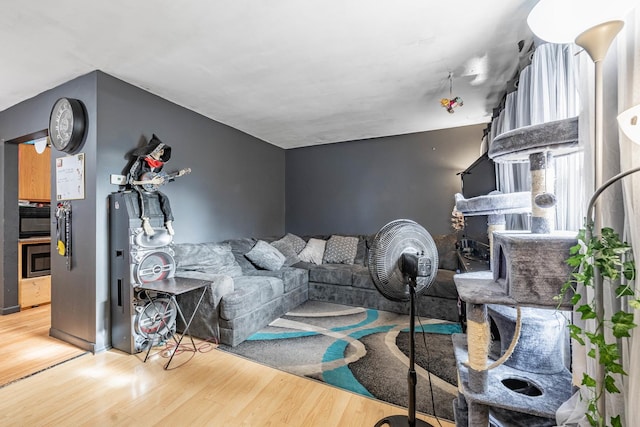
point(25, 204)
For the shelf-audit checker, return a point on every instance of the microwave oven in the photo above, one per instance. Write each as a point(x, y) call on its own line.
point(36, 260)
point(34, 221)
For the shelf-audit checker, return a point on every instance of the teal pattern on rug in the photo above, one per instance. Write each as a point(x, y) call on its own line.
point(343, 376)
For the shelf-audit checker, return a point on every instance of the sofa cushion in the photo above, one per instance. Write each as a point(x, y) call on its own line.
point(211, 258)
point(313, 251)
point(286, 249)
point(340, 250)
point(250, 292)
point(335, 274)
point(239, 247)
point(293, 278)
point(265, 256)
point(362, 251)
point(361, 278)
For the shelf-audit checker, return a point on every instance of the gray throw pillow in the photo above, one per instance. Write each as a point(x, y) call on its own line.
point(340, 250)
point(266, 256)
point(296, 242)
point(285, 248)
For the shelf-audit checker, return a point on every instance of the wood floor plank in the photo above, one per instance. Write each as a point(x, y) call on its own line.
point(209, 389)
point(26, 345)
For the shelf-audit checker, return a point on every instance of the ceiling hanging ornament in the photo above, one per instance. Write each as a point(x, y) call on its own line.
point(451, 102)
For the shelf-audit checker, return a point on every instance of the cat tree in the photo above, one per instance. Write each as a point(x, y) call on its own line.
point(525, 380)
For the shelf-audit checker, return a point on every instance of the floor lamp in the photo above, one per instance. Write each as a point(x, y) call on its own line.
point(593, 25)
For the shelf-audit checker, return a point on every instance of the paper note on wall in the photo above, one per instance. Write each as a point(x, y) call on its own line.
point(70, 177)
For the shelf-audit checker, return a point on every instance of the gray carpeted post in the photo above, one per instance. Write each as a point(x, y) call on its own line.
point(542, 168)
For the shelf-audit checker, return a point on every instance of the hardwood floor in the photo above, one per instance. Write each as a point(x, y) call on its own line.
point(211, 388)
point(26, 345)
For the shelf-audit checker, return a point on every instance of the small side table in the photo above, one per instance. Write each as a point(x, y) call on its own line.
point(173, 287)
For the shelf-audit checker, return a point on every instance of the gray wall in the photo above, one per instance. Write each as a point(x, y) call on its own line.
point(236, 189)
point(357, 187)
point(9, 236)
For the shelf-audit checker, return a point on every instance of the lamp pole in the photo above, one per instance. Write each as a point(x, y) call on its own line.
point(596, 41)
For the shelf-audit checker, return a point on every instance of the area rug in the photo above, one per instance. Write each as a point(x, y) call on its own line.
point(361, 350)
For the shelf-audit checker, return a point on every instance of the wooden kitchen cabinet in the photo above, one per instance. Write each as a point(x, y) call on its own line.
point(32, 291)
point(34, 174)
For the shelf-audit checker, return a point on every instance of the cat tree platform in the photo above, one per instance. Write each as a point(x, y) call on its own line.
point(525, 396)
point(528, 270)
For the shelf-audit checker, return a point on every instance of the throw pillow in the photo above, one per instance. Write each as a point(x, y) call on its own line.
point(296, 242)
point(313, 251)
point(266, 256)
point(341, 250)
point(285, 248)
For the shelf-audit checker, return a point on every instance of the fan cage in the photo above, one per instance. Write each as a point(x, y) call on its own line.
point(394, 239)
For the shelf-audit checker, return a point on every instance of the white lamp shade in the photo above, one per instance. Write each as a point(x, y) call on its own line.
point(629, 123)
point(561, 21)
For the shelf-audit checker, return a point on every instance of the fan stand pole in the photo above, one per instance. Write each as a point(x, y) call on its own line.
point(410, 419)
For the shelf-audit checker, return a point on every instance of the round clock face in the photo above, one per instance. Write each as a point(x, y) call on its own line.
point(66, 124)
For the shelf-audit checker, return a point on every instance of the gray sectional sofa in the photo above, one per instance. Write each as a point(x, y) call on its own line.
point(245, 296)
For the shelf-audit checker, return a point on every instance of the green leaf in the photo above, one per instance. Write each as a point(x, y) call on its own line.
point(576, 333)
point(574, 261)
point(575, 299)
point(581, 277)
point(616, 368)
point(624, 290)
point(635, 304)
point(615, 421)
point(629, 269)
point(588, 381)
point(622, 317)
point(621, 330)
point(574, 249)
point(586, 311)
point(610, 385)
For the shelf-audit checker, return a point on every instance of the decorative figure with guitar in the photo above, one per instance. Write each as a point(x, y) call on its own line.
point(146, 176)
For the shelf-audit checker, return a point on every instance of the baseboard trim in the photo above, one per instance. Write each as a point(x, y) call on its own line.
point(10, 310)
point(78, 342)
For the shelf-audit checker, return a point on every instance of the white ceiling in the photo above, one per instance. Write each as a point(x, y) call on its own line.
point(290, 72)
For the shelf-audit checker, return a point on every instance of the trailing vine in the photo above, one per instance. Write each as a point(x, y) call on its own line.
point(610, 257)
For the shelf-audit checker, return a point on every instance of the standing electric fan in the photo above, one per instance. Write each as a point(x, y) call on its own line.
point(403, 262)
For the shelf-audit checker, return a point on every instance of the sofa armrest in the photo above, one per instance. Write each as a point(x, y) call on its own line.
point(221, 284)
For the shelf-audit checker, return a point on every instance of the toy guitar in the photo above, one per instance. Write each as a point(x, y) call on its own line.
point(151, 181)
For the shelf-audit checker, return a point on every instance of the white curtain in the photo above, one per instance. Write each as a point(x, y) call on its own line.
point(547, 91)
point(621, 202)
point(628, 96)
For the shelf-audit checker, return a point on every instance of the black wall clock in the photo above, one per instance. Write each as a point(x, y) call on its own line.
point(67, 124)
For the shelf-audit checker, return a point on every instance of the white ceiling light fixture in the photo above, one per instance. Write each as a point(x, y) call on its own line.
point(40, 144)
point(561, 21)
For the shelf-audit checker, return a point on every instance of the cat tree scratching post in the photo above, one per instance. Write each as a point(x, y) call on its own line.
point(527, 270)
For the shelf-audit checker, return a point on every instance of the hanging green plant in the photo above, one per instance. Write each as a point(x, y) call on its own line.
point(611, 258)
